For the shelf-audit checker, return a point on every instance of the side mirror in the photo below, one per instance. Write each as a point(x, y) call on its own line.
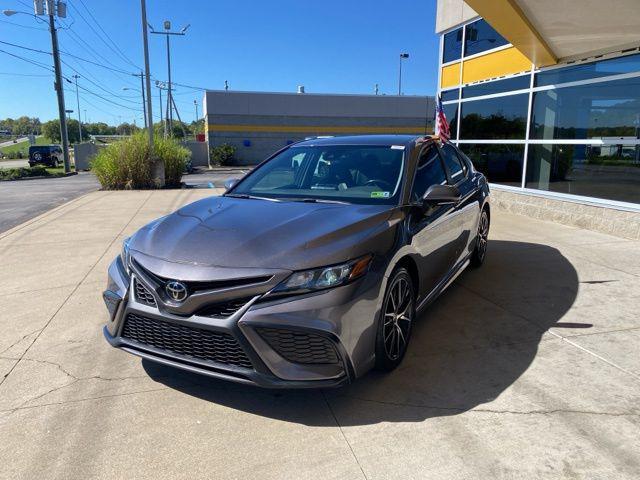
point(440, 195)
point(230, 182)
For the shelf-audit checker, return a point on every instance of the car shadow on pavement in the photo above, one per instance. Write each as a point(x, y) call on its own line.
point(466, 349)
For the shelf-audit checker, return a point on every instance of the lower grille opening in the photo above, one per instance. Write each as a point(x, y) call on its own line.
point(191, 342)
point(299, 346)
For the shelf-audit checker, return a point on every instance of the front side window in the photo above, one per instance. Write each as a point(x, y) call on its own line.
point(429, 172)
point(451, 160)
point(347, 173)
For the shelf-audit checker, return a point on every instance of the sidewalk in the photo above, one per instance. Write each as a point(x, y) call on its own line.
point(526, 368)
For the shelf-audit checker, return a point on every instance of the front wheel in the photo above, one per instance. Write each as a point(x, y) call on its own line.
point(480, 251)
point(395, 322)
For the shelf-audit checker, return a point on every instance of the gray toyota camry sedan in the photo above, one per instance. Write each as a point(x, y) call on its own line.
point(307, 272)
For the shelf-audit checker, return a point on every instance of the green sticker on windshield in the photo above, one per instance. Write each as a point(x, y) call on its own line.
point(379, 194)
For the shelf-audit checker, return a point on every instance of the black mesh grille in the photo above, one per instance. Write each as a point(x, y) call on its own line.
point(300, 347)
point(224, 309)
point(143, 295)
point(191, 342)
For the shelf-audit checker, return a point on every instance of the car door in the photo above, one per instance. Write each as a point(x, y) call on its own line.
point(464, 217)
point(432, 234)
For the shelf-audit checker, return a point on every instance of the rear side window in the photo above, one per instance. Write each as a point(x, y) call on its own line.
point(429, 172)
point(453, 163)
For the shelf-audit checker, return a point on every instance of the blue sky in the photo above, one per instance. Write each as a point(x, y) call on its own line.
point(328, 46)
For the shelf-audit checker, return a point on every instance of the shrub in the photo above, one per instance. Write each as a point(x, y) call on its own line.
point(23, 172)
point(126, 164)
point(222, 154)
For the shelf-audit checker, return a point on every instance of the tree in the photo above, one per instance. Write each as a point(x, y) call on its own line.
point(51, 130)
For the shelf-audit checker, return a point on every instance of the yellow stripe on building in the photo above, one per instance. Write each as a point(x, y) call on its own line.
point(314, 129)
point(495, 64)
point(450, 76)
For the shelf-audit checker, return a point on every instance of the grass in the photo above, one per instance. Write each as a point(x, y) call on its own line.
point(24, 146)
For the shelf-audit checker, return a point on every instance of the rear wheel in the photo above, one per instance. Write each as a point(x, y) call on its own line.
point(395, 322)
point(55, 163)
point(482, 239)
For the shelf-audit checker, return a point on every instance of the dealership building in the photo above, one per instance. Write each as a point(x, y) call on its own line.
point(544, 97)
point(260, 123)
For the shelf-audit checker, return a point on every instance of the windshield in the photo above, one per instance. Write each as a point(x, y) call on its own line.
point(348, 173)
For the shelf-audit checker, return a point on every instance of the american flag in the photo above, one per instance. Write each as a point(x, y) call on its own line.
point(442, 127)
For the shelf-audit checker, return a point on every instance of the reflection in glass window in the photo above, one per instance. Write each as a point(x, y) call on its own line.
point(603, 68)
point(452, 46)
point(597, 110)
point(499, 86)
point(453, 163)
point(447, 95)
point(502, 117)
point(451, 112)
point(610, 172)
point(481, 36)
point(499, 163)
point(429, 172)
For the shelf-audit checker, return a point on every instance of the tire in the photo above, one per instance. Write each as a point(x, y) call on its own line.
point(55, 163)
point(395, 321)
point(482, 240)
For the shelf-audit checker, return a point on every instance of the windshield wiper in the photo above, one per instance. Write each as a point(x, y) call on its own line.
point(317, 200)
point(250, 197)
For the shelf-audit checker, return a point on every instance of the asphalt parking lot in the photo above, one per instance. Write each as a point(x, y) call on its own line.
point(527, 368)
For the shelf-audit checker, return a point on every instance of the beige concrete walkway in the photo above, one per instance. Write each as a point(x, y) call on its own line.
point(527, 368)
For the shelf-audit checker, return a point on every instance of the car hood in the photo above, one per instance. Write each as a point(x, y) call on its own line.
point(253, 233)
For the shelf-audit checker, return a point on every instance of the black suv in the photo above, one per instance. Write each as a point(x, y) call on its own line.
point(50, 155)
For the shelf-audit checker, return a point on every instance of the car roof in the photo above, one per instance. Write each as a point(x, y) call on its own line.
point(374, 140)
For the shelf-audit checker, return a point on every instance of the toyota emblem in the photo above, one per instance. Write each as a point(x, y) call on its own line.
point(177, 291)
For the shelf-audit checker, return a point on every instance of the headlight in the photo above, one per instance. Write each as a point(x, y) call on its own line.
point(325, 277)
point(124, 254)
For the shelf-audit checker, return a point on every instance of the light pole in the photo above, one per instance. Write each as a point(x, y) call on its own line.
point(76, 77)
point(58, 8)
point(195, 103)
point(402, 57)
point(167, 32)
point(161, 86)
point(144, 106)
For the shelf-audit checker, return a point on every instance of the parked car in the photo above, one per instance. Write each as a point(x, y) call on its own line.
point(310, 270)
point(50, 155)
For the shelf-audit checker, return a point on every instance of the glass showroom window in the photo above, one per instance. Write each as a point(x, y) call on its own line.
point(451, 112)
point(610, 172)
point(498, 86)
point(585, 71)
point(452, 46)
point(499, 162)
point(449, 95)
point(593, 111)
point(495, 118)
point(480, 36)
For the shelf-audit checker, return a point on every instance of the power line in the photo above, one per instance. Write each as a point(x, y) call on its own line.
point(33, 62)
point(23, 26)
point(117, 49)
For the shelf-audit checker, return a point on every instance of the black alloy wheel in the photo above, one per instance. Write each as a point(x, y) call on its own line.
point(396, 320)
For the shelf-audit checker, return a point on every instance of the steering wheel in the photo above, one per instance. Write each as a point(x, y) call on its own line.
point(379, 183)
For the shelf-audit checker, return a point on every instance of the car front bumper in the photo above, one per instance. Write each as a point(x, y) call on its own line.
point(315, 340)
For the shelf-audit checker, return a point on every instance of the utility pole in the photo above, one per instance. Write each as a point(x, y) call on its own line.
point(163, 120)
point(62, 13)
point(402, 56)
point(76, 77)
point(195, 103)
point(170, 103)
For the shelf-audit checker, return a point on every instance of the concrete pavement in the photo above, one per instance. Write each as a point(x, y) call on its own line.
point(527, 368)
